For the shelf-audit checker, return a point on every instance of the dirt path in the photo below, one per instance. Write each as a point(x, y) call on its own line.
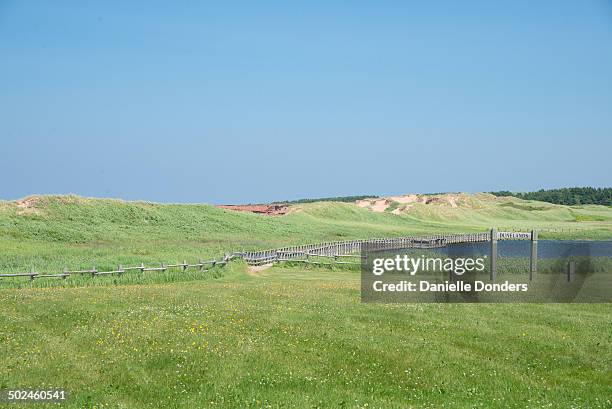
point(255, 270)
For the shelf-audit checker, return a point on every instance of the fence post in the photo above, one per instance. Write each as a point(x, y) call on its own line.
point(493, 272)
point(571, 270)
point(533, 261)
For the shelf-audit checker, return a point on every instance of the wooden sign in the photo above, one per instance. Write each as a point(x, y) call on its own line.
point(513, 235)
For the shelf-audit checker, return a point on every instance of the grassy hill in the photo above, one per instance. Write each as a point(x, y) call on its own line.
point(50, 232)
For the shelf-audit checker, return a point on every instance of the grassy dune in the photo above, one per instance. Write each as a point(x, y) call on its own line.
point(52, 232)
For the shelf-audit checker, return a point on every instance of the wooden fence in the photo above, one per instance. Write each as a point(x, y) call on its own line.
point(201, 265)
point(343, 248)
point(340, 251)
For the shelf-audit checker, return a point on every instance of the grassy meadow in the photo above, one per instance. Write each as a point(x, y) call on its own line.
point(287, 336)
point(300, 338)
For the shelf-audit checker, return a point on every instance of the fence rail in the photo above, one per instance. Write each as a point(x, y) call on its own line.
point(337, 250)
point(200, 265)
point(344, 248)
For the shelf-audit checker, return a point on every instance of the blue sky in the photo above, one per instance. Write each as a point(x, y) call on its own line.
point(227, 102)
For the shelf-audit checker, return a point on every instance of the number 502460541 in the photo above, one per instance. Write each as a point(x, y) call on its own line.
point(21, 395)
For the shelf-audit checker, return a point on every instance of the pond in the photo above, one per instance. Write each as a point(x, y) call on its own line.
point(547, 249)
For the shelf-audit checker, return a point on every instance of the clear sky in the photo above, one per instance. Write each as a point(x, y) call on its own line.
point(229, 102)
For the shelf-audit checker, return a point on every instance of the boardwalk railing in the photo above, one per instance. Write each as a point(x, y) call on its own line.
point(339, 251)
point(342, 248)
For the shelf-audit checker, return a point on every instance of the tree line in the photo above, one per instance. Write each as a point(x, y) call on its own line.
point(566, 196)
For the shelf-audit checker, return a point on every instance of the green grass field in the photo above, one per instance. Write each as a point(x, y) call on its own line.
point(288, 336)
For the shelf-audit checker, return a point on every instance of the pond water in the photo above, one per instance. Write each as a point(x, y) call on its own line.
point(522, 248)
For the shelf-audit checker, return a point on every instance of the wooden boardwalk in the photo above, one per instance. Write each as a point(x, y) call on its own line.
point(336, 250)
point(344, 248)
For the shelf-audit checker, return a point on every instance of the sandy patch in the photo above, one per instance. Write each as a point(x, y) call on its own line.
point(409, 200)
point(364, 203)
point(28, 205)
point(452, 200)
point(255, 270)
point(28, 202)
point(405, 199)
point(398, 211)
point(380, 205)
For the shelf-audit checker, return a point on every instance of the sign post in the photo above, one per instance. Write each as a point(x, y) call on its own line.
point(571, 270)
point(493, 272)
point(533, 261)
